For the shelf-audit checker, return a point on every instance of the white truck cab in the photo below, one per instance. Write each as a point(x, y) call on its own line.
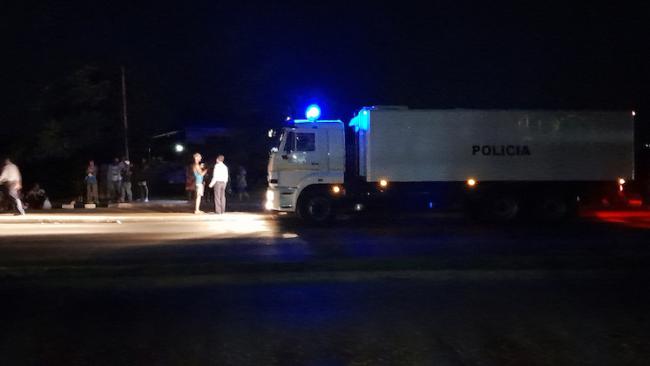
point(310, 156)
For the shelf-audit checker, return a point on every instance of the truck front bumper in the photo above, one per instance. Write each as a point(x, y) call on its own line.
point(281, 199)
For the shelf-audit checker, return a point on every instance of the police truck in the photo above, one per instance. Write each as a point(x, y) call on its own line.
point(498, 164)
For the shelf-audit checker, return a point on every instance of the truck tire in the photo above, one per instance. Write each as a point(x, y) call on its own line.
point(317, 209)
point(502, 208)
point(554, 208)
point(473, 210)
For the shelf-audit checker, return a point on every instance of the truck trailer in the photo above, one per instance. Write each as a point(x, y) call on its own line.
point(499, 164)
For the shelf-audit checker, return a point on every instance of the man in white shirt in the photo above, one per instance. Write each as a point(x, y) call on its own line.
point(218, 182)
point(12, 178)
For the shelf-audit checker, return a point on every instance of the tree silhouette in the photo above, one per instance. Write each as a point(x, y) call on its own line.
point(76, 114)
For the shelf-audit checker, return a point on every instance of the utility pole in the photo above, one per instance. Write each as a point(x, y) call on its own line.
point(124, 116)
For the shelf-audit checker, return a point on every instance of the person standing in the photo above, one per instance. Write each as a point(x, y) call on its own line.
point(127, 173)
point(198, 170)
point(142, 179)
point(11, 177)
point(115, 176)
point(190, 185)
point(219, 181)
point(92, 195)
point(242, 184)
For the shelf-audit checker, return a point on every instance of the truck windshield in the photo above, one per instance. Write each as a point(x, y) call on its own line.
point(299, 141)
point(305, 142)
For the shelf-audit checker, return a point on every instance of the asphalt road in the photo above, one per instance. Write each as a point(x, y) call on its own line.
point(157, 242)
point(249, 288)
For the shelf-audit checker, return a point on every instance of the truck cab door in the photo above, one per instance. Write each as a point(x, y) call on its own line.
point(305, 149)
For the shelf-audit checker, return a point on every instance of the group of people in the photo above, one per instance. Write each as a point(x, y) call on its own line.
point(120, 176)
point(218, 183)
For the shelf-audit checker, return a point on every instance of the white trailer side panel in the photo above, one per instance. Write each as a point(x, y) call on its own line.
point(489, 145)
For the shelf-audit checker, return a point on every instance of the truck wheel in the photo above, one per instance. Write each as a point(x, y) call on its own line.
point(317, 209)
point(473, 210)
point(502, 208)
point(553, 208)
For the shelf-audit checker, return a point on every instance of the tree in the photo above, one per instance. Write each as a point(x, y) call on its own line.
point(76, 115)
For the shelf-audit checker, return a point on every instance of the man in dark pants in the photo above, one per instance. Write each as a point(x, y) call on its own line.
point(115, 180)
point(218, 182)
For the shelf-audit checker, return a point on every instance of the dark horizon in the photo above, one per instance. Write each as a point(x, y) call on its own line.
point(231, 62)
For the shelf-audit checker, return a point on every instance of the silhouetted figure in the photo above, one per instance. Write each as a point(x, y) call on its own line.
point(127, 174)
point(11, 177)
point(92, 193)
point(115, 180)
point(36, 197)
point(190, 186)
point(241, 184)
point(142, 179)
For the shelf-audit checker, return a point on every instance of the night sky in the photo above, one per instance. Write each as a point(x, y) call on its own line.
point(236, 62)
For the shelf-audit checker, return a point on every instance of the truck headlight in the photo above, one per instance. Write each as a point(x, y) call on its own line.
point(268, 205)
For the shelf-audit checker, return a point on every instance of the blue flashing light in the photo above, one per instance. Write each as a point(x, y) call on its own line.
point(299, 121)
point(312, 112)
point(361, 122)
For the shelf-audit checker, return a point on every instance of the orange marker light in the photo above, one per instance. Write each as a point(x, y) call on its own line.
point(471, 182)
